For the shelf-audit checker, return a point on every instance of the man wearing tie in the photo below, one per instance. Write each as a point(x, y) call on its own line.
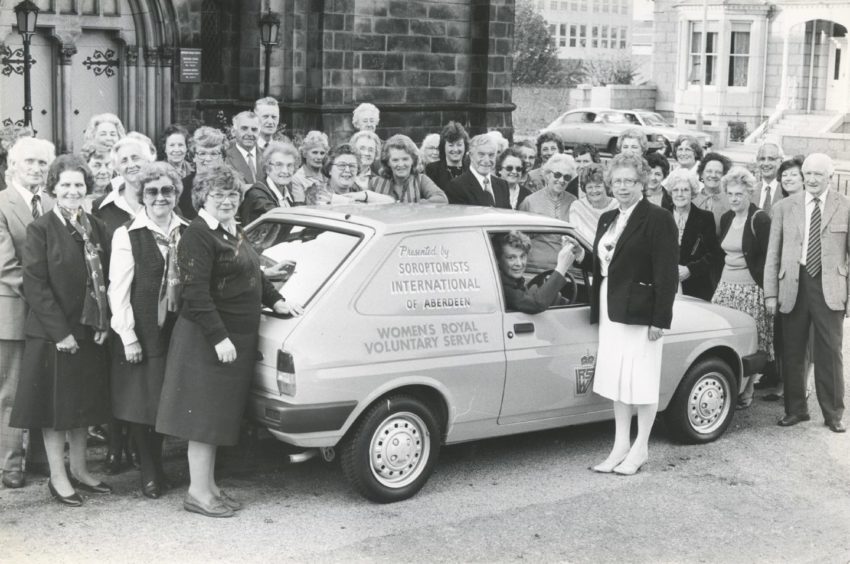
point(242, 155)
point(768, 192)
point(477, 186)
point(805, 277)
point(22, 201)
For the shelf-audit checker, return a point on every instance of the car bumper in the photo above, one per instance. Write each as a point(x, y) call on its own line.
point(754, 363)
point(288, 418)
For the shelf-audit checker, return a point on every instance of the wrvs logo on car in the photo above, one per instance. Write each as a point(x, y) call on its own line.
point(426, 336)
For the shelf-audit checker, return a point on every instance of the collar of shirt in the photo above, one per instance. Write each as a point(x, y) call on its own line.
point(809, 199)
point(627, 213)
point(59, 215)
point(142, 221)
point(244, 153)
point(212, 222)
point(117, 197)
point(280, 197)
point(26, 194)
point(480, 178)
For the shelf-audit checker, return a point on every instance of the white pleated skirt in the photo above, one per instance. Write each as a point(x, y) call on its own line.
point(628, 366)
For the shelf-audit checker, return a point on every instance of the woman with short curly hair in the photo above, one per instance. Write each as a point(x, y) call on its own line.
point(401, 174)
point(454, 146)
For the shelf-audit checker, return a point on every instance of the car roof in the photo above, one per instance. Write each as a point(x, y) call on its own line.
point(401, 218)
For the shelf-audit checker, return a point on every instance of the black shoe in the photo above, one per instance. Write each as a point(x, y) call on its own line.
point(73, 500)
point(133, 458)
point(112, 464)
point(96, 435)
point(151, 490)
point(836, 426)
point(13, 479)
point(790, 420)
point(98, 488)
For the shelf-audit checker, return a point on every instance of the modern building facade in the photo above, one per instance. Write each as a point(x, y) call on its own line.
point(154, 62)
point(588, 29)
point(748, 63)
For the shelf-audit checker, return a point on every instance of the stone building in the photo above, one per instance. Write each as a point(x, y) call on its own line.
point(778, 67)
point(422, 62)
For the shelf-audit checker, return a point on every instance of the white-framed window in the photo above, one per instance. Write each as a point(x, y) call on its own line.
point(553, 30)
point(574, 5)
point(582, 35)
point(562, 35)
point(615, 7)
point(606, 6)
point(594, 37)
point(573, 35)
point(739, 54)
point(702, 43)
point(603, 37)
point(595, 5)
point(565, 5)
point(553, 4)
point(583, 5)
point(624, 7)
point(623, 37)
point(613, 37)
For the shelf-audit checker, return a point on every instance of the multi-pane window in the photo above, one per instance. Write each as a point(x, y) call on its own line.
point(553, 30)
point(624, 7)
point(594, 37)
point(583, 5)
point(562, 35)
point(615, 6)
point(613, 37)
point(574, 5)
point(582, 35)
point(595, 5)
point(606, 6)
point(573, 35)
point(739, 54)
point(703, 46)
point(623, 36)
point(603, 39)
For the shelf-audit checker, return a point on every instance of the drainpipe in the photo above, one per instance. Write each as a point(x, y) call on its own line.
point(811, 68)
point(764, 66)
point(703, 60)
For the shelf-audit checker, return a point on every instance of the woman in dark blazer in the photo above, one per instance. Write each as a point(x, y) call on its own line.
point(143, 294)
point(63, 386)
point(214, 343)
point(635, 278)
point(280, 161)
point(698, 250)
point(454, 146)
point(744, 234)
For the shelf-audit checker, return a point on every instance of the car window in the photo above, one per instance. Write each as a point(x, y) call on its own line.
point(433, 274)
point(653, 119)
point(316, 253)
point(542, 258)
point(577, 117)
point(612, 117)
point(631, 118)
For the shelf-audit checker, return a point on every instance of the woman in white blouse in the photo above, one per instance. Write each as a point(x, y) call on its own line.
point(144, 300)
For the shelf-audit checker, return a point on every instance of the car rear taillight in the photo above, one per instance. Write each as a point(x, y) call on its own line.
point(285, 373)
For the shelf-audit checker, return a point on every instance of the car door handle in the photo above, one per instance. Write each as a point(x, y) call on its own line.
point(523, 328)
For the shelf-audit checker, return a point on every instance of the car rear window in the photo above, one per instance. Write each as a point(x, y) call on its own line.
point(316, 251)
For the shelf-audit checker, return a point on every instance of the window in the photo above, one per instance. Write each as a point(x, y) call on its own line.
point(596, 5)
point(562, 30)
point(615, 7)
point(700, 45)
point(606, 6)
point(573, 34)
point(582, 36)
point(574, 5)
point(836, 73)
point(623, 35)
point(624, 7)
point(603, 42)
point(553, 30)
point(594, 35)
point(739, 54)
point(553, 4)
point(565, 5)
point(583, 5)
point(317, 252)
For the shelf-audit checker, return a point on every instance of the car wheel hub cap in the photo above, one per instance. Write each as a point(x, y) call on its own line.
point(708, 403)
point(399, 450)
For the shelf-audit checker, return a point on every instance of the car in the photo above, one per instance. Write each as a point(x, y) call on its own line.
point(406, 345)
point(601, 127)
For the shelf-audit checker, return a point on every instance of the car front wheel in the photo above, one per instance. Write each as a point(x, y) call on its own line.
point(392, 450)
point(703, 405)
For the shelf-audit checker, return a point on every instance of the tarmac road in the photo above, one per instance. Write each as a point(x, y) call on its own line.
point(760, 494)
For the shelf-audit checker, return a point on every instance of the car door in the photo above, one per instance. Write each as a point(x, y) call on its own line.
point(551, 358)
point(573, 126)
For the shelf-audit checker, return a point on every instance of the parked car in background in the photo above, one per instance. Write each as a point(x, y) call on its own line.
point(406, 343)
point(601, 127)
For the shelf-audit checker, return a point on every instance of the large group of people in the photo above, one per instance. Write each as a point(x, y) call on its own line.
point(131, 297)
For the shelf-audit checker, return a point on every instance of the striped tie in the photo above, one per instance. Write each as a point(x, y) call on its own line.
point(36, 199)
point(813, 253)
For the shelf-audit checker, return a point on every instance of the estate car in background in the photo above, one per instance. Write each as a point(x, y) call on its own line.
point(406, 344)
point(601, 127)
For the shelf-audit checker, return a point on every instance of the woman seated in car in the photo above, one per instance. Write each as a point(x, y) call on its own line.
point(512, 254)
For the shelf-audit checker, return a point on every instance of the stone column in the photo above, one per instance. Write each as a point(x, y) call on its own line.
point(150, 110)
point(783, 84)
point(132, 97)
point(166, 61)
point(66, 54)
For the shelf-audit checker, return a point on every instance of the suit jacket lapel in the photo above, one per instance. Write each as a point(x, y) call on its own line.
point(638, 216)
point(605, 221)
point(19, 206)
point(799, 213)
point(830, 206)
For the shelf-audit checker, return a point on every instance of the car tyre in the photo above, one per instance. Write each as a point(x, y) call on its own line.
point(391, 451)
point(704, 403)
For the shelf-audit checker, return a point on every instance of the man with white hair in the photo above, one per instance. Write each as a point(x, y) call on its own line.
point(768, 191)
point(243, 155)
point(806, 279)
point(268, 111)
point(22, 202)
point(478, 186)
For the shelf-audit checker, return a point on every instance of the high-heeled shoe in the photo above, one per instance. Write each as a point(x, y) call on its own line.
point(603, 468)
point(112, 464)
point(73, 500)
point(98, 488)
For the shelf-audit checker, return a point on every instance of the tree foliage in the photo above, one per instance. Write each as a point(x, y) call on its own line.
point(615, 70)
point(535, 56)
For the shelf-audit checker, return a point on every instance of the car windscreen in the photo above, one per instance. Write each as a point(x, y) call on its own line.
point(299, 259)
point(654, 120)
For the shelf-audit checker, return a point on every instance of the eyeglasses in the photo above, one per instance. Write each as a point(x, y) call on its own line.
point(512, 168)
point(165, 191)
point(220, 196)
point(290, 166)
point(558, 175)
point(627, 182)
point(199, 155)
point(346, 166)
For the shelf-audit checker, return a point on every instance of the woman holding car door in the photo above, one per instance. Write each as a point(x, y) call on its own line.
point(635, 278)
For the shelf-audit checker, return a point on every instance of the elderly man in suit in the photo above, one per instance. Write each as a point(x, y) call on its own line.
point(768, 192)
point(20, 203)
point(268, 111)
point(805, 276)
point(478, 186)
point(243, 155)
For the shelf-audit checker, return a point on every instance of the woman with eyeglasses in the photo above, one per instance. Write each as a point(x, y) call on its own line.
point(401, 177)
point(340, 169)
point(368, 146)
point(548, 145)
point(687, 152)
point(213, 346)
point(635, 278)
point(208, 144)
point(64, 384)
point(144, 291)
point(511, 169)
point(280, 161)
point(552, 201)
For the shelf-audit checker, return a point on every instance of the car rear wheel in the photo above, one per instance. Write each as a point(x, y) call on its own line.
point(392, 450)
point(703, 405)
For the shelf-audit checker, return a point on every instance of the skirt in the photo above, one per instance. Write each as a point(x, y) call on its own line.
point(202, 399)
point(748, 298)
point(628, 368)
point(135, 388)
point(62, 391)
